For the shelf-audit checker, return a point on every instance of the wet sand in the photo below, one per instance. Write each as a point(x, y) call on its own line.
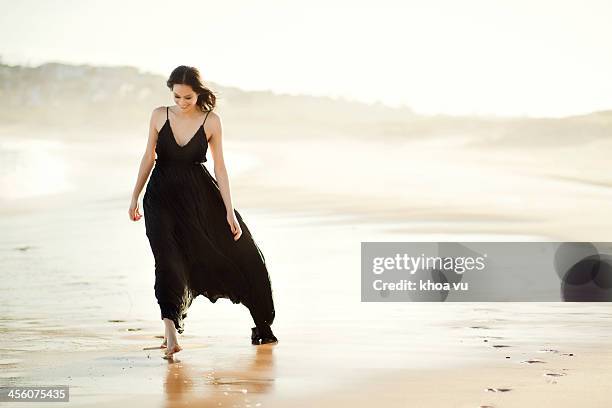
point(78, 306)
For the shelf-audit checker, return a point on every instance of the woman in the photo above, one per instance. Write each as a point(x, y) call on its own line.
point(201, 245)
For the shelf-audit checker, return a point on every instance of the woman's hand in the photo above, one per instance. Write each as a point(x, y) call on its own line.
point(234, 225)
point(134, 212)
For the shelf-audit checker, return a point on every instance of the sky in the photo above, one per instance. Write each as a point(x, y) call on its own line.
point(504, 58)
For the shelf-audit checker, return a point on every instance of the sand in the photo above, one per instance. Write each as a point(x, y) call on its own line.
point(78, 306)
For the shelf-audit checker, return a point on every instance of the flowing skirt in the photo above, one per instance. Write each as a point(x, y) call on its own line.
point(194, 249)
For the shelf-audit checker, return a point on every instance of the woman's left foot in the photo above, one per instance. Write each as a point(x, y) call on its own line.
point(262, 335)
point(254, 336)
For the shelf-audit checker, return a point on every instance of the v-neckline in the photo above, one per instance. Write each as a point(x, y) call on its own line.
point(174, 138)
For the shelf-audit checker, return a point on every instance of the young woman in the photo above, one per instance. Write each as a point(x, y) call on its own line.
point(200, 243)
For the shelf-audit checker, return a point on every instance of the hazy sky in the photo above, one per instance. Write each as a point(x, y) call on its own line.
point(510, 57)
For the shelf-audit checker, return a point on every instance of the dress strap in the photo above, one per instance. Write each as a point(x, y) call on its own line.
point(205, 117)
point(166, 113)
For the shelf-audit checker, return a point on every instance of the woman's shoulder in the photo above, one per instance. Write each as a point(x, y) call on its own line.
point(158, 111)
point(212, 116)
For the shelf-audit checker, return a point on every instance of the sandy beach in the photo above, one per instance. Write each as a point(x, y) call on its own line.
point(78, 306)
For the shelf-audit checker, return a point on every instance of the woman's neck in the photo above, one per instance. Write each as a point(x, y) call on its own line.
point(191, 113)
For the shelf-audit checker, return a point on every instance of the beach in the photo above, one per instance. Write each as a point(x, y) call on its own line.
point(78, 305)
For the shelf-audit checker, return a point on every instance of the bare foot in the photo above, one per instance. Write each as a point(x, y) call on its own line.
point(169, 353)
point(170, 341)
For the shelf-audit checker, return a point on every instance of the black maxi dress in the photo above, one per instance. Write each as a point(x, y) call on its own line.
point(193, 246)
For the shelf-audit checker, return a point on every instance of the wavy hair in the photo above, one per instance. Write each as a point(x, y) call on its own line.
point(186, 75)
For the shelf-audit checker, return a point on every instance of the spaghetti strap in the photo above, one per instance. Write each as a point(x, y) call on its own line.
point(166, 113)
point(205, 117)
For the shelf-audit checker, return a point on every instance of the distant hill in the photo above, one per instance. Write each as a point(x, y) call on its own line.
point(115, 100)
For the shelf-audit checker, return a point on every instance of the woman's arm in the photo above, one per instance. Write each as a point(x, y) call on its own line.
point(146, 164)
point(214, 127)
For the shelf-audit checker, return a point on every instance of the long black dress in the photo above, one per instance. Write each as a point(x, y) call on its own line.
point(193, 246)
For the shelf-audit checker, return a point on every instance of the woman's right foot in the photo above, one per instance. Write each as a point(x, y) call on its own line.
point(170, 341)
point(171, 349)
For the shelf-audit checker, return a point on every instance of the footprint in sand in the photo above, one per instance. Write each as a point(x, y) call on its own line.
point(487, 338)
point(23, 248)
point(533, 361)
point(556, 352)
point(550, 377)
point(554, 374)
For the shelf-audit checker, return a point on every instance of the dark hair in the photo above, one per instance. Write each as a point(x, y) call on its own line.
point(186, 75)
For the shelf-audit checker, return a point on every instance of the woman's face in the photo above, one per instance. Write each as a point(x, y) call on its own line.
point(184, 96)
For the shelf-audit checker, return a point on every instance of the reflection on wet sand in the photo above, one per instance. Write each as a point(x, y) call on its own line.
point(189, 383)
